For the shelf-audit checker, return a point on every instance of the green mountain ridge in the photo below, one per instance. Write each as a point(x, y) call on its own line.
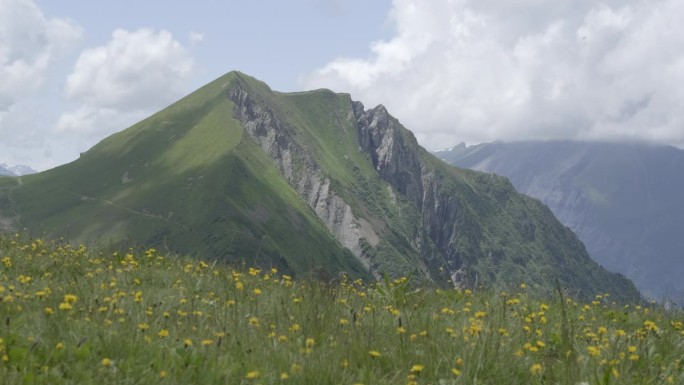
point(306, 181)
point(622, 199)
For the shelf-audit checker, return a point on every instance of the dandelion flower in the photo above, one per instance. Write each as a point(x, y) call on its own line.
point(536, 369)
point(70, 298)
point(252, 375)
point(593, 350)
point(309, 343)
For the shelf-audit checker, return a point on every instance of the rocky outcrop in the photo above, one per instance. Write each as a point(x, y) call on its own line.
point(302, 172)
point(395, 155)
point(394, 159)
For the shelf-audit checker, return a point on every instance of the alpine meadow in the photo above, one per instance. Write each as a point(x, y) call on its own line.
point(243, 235)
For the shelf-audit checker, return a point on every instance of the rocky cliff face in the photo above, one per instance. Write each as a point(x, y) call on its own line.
point(454, 215)
point(394, 159)
point(395, 156)
point(302, 172)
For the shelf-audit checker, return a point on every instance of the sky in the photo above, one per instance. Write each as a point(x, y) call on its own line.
point(74, 72)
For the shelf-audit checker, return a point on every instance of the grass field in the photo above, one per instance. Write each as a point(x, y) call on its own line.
point(72, 315)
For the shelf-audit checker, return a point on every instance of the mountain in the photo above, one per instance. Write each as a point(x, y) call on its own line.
point(622, 199)
point(15, 170)
point(303, 181)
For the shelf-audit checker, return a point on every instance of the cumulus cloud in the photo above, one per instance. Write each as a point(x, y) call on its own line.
point(29, 44)
point(474, 71)
point(131, 76)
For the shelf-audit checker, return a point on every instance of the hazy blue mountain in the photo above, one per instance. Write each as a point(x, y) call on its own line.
point(15, 170)
point(625, 201)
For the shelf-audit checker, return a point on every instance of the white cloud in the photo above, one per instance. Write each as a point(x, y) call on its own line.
point(29, 44)
point(134, 70)
point(484, 70)
point(131, 76)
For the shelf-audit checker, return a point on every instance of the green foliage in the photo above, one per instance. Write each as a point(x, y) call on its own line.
point(76, 316)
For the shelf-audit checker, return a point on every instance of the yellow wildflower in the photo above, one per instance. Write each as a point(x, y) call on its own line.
point(593, 350)
point(309, 343)
point(252, 375)
point(70, 298)
point(536, 369)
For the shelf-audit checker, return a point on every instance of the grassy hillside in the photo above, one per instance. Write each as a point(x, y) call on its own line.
point(71, 315)
point(188, 180)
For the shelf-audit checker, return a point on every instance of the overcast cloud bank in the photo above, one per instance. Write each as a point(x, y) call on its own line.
point(486, 70)
point(451, 71)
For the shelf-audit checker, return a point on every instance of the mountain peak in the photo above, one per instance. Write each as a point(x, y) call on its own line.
point(304, 181)
point(15, 170)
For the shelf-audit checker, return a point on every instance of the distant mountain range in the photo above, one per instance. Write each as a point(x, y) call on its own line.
point(15, 170)
point(623, 200)
point(311, 183)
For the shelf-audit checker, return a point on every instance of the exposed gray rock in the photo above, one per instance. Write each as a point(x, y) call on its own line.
point(303, 174)
point(395, 158)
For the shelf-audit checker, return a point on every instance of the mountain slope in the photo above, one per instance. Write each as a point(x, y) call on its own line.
point(239, 172)
point(623, 200)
